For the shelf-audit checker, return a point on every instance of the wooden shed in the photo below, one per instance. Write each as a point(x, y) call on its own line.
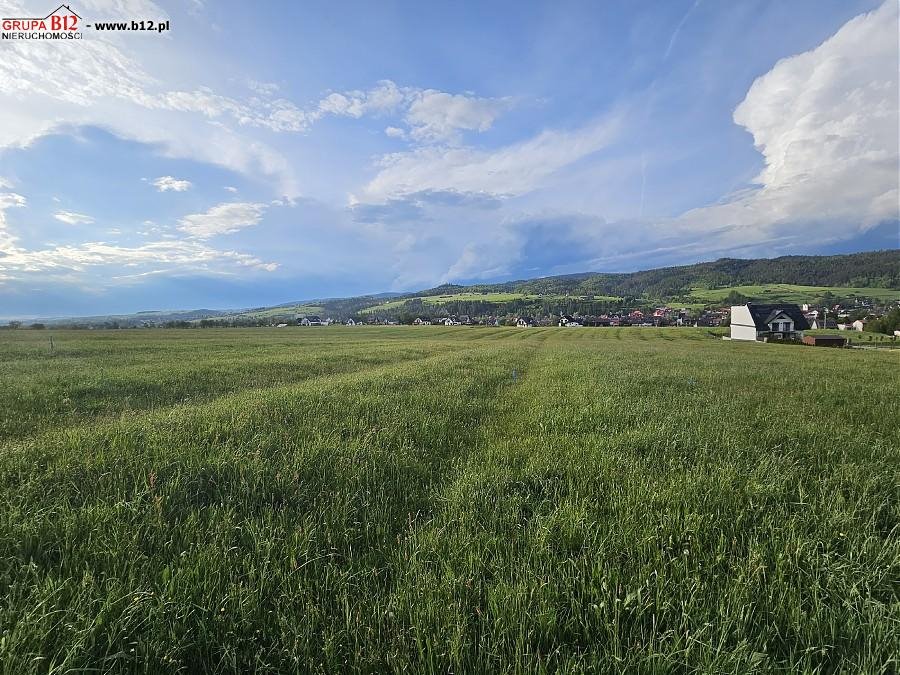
point(824, 340)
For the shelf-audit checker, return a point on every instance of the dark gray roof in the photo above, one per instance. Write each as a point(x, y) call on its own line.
point(763, 314)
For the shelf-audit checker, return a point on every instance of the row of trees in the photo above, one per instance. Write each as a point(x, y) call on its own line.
point(886, 324)
point(15, 325)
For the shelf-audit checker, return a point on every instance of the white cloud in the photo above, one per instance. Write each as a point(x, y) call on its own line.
point(72, 218)
point(264, 88)
point(176, 256)
point(164, 183)
point(44, 89)
point(230, 188)
point(8, 200)
point(222, 219)
point(431, 115)
point(439, 116)
point(826, 122)
point(72, 263)
point(508, 171)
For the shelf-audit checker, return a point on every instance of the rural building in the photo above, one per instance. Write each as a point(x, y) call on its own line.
point(767, 322)
point(817, 324)
point(311, 321)
point(525, 322)
point(859, 325)
point(351, 322)
point(824, 340)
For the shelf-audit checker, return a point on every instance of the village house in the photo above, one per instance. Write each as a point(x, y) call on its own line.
point(525, 322)
point(311, 321)
point(767, 322)
point(817, 324)
point(859, 325)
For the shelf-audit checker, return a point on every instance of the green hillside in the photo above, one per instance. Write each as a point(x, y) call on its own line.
point(874, 275)
point(793, 293)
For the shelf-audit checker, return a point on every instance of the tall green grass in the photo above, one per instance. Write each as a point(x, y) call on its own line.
point(446, 500)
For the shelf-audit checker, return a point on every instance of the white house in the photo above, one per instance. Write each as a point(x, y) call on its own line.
point(767, 322)
point(525, 322)
point(311, 321)
point(859, 325)
point(351, 322)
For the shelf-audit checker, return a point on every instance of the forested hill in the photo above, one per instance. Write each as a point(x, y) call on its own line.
point(877, 269)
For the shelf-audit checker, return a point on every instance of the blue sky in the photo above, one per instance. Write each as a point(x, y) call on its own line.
point(265, 152)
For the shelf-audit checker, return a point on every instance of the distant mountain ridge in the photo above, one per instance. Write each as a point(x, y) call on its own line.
point(875, 269)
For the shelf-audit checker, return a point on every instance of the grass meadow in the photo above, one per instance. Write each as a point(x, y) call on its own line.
point(447, 500)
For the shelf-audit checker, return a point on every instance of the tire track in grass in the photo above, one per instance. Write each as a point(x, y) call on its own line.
point(131, 391)
point(438, 600)
point(290, 500)
point(626, 527)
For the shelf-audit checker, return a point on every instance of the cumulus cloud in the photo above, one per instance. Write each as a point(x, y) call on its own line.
point(826, 125)
point(72, 218)
point(222, 219)
point(166, 183)
point(439, 116)
point(72, 262)
point(384, 97)
point(826, 122)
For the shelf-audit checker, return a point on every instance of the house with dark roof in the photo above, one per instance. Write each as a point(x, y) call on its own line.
point(767, 322)
point(311, 321)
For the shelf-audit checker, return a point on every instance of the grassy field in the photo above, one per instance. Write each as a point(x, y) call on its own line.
point(792, 293)
point(431, 499)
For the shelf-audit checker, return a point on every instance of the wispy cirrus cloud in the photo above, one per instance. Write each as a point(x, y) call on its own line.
point(72, 218)
point(172, 256)
point(511, 170)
